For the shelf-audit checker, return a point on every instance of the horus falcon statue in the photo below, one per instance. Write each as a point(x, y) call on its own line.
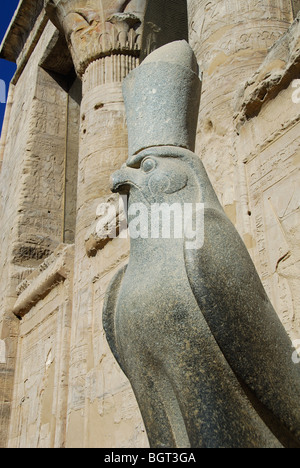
point(190, 325)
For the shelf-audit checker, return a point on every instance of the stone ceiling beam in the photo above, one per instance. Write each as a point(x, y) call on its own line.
point(20, 28)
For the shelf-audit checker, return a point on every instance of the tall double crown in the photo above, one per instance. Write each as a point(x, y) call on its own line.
point(162, 98)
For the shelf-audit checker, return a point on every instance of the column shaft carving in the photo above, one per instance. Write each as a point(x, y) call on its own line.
point(109, 69)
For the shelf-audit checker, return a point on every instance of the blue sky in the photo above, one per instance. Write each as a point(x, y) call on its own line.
point(7, 69)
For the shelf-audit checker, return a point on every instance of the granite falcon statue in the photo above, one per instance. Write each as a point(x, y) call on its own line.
point(193, 329)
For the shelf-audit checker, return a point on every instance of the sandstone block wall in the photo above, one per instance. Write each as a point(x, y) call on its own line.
point(230, 40)
point(41, 377)
point(100, 396)
point(267, 123)
point(247, 132)
point(31, 181)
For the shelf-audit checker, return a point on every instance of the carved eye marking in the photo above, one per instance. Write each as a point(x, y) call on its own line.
point(148, 165)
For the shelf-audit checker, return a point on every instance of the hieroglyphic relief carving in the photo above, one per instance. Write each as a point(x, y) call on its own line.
point(217, 14)
point(230, 40)
point(275, 211)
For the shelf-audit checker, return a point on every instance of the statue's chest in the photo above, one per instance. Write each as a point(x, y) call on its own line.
point(155, 298)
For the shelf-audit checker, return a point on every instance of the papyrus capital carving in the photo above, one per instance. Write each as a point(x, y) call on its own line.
point(98, 28)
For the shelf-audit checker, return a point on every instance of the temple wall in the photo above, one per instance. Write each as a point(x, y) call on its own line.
point(74, 143)
point(41, 379)
point(101, 407)
point(269, 145)
point(31, 182)
point(230, 40)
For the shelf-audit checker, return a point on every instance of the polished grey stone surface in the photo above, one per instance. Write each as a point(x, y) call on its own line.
point(192, 328)
point(162, 99)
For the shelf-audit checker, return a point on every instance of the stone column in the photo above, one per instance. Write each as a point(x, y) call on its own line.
point(6, 122)
point(230, 40)
point(104, 40)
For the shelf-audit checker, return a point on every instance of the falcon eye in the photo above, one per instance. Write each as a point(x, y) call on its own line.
point(148, 165)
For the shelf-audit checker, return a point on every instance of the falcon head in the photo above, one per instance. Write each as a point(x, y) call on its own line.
point(157, 175)
point(167, 178)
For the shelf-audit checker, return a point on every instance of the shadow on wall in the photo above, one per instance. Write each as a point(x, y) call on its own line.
point(163, 24)
point(296, 7)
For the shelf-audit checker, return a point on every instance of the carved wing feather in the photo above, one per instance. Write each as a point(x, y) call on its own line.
point(247, 329)
point(109, 312)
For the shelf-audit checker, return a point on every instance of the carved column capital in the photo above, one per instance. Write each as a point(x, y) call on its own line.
point(98, 28)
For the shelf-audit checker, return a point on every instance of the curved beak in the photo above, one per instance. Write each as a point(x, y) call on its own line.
point(122, 180)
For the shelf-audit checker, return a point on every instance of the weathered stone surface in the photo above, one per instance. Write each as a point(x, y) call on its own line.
point(224, 148)
point(269, 147)
point(109, 222)
point(99, 28)
point(50, 275)
point(31, 183)
point(296, 7)
point(280, 67)
point(6, 388)
point(163, 100)
point(57, 58)
point(230, 40)
point(41, 382)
